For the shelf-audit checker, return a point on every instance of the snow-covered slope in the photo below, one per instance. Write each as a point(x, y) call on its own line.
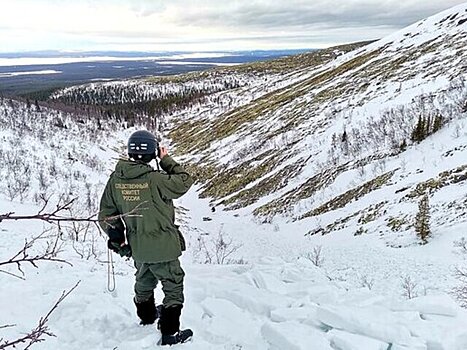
point(329, 146)
point(303, 143)
point(47, 152)
point(320, 154)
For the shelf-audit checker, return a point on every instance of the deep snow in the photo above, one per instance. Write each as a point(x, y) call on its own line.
point(274, 300)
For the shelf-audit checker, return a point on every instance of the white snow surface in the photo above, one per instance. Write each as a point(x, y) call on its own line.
point(268, 303)
point(35, 72)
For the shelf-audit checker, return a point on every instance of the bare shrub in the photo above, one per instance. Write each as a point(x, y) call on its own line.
point(91, 201)
point(409, 288)
point(87, 248)
point(461, 245)
point(460, 291)
point(78, 230)
point(43, 181)
point(18, 187)
point(361, 172)
point(53, 168)
point(217, 249)
point(367, 282)
point(316, 256)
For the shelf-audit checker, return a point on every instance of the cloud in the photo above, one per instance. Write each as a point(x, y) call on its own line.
point(304, 13)
point(179, 24)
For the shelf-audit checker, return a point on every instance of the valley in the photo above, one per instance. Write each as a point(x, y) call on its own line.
point(329, 208)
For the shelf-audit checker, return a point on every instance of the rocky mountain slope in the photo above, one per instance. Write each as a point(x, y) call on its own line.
point(335, 147)
point(328, 141)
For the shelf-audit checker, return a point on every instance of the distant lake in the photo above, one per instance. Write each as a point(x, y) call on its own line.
point(20, 74)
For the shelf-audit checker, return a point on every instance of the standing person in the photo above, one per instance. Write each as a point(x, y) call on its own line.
point(153, 239)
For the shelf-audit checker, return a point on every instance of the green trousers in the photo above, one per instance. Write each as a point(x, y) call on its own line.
point(169, 273)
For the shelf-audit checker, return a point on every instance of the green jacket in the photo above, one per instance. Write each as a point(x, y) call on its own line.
point(136, 188)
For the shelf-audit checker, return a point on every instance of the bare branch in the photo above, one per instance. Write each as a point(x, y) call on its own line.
point(13, 275)
point(37, 334)
point(461, 273)
point(461, 290)
point(56, 215)
point(316, 256)
point(23, 257)
point(7, 326)
point(409, 287)
point(217, 250)
point(462, 245)
point(46, 202)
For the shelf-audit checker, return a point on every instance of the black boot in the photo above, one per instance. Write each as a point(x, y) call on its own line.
point(147, 311)
point(177, 338)
point(169, 325)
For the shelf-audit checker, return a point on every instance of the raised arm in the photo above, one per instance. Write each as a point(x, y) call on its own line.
point(176, 182)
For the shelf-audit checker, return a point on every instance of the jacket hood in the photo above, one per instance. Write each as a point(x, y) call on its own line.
point(127, 169)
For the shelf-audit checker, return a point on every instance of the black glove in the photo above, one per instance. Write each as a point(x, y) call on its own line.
point(122, 250)
point(116, 239)
point(125, 251)
point(116, 236)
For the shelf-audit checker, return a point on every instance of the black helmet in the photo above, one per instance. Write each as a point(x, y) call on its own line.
point(142, 143)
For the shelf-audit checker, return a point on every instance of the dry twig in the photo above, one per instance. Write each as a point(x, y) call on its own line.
point(461, 291)
point(56, 215)
point(23, 257)
point(37, 334)
point(7, 326)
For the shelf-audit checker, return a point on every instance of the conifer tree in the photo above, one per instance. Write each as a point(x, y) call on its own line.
point(422, 220)
point(345, 143)
point(344, 136)
point(416, 131)
point(419, 132)
point(427, 130)
point(403, 145)
point(437, 123)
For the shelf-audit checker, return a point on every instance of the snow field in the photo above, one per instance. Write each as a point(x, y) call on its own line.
point(269, 304)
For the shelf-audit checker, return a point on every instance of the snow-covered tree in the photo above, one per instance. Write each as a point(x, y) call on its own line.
point(422, 219)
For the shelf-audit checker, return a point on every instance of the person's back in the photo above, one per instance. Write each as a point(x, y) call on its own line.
point(142, 198)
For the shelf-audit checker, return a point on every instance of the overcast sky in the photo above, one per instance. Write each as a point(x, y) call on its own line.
point(202, 25)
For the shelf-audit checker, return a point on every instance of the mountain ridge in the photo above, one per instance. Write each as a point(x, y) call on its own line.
point(309, 140)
